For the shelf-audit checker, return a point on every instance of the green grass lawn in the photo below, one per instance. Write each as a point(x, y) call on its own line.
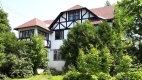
point(42, 77)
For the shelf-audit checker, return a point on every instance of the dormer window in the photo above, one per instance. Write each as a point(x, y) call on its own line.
point(73, 15)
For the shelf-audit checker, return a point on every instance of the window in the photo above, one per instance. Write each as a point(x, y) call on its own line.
point(20, 34)
point(57, 55)
point(76, 15)
point(31, 32)
point(44, 34)
point(59, 35)
point(26, 33)
point(73, 15)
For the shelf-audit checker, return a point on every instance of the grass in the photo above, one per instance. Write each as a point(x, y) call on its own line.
point(43, 77)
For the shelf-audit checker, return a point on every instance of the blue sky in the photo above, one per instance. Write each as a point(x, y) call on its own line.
point(20, 11)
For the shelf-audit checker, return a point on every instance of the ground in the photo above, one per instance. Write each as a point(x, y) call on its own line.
point(43, 77)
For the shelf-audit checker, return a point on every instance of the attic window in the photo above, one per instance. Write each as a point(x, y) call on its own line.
point(73, 15)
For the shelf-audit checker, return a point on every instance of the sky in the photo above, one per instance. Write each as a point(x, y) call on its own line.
point(21, 11)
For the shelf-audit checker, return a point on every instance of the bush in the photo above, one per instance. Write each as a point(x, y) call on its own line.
point(74, 75)
point(71, 75)
point(21, 69)
point(129, 76)
point(55, 72)
point(16, 67)
point(84, 76)
point(103, 76)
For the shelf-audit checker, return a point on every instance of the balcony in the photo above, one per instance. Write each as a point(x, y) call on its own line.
point(48, 43)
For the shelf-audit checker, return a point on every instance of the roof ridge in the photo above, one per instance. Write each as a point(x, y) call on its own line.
point(75, 7)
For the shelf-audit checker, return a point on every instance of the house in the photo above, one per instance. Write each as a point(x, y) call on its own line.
point(56, 30)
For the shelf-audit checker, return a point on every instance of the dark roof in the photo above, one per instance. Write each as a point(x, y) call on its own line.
point(106, 12)
point(33, 22)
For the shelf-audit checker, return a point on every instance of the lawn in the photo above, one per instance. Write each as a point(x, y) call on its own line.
point(42, 77)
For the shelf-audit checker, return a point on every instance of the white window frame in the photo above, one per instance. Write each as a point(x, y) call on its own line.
point(56, 55)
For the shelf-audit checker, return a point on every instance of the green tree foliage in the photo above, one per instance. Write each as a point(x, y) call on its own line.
point(113, 37)
point(14, 61)
point(125, 64)
point(79, 37)
point(129, 16)
point(4, 25)
point(37, 53)
point(107, 3)
point(95, 61)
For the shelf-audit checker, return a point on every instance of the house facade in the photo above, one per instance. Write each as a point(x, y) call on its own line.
point(56, 30)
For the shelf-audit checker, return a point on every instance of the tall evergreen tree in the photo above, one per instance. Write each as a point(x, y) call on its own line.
point(80, 36)
point(107, 3)
point(4, 25)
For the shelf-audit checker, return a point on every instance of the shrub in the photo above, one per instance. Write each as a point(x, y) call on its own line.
point(129, 76)
point(55, 72)
point(21, 69)
point(84, 76)
point(103, 76)
point(16, 67)
point(71, 75)
point(74, 75)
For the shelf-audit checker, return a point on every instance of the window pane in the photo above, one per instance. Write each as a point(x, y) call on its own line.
point(27, 33)
point(76, 14)
point(59, 34)
point(59, 56)
point(32, 32)
point(55, 56)
point(47, 36)
point(20, 35)
point(23, 34)
point(71, 16)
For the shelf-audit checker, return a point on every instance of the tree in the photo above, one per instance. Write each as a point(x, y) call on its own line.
point(113, 37)
point(107, 3)
point(79, 37)
point(95, 61)
point(14, 61)
point(129, 16)
point(37, 53)
point(4, 25)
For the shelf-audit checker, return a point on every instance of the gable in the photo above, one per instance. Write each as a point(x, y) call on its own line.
point(63, 22)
